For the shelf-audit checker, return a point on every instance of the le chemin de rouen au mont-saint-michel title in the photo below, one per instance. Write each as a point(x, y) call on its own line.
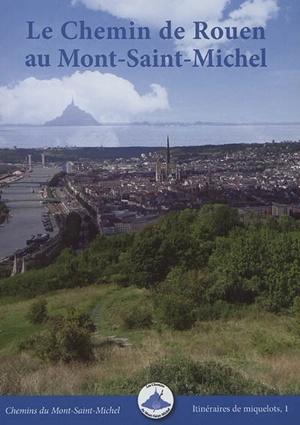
point(201, 31)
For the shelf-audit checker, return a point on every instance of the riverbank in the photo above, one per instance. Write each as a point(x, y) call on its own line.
point(4, 212)
point(11, 178)
point(23, 198)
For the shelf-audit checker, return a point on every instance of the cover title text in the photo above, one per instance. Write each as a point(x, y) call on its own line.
point(78, 31)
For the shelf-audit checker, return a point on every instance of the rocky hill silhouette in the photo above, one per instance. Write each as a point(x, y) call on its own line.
point(73, 116)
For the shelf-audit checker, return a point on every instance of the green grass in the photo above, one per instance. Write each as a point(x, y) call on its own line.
point(117, 305)
point(260, 346)
point(14, 327)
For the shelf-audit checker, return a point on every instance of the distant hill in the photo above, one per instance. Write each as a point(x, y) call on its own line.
point(73, 116)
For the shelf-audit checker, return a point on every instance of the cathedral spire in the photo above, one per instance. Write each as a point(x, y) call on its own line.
point(168, 156)
point(168, 149)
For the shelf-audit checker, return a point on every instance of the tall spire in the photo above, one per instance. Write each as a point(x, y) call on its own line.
point(168, 150)
point(168, 156)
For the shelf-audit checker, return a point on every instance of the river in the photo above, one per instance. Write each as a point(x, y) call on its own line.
point(24, 202)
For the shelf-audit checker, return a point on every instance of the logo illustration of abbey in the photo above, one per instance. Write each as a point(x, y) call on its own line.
point(155, 400)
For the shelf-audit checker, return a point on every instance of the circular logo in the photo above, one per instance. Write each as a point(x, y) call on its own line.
point(155, 400)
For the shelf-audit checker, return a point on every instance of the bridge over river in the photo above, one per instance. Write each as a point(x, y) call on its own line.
point(42, 201)
point(23, 183)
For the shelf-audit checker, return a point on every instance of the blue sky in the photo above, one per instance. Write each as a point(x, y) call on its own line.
point(34, 95)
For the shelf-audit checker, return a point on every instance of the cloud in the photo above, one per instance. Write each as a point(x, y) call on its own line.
point(255, 12)
point(107, 97)
point(155, 12)
point(183, 13)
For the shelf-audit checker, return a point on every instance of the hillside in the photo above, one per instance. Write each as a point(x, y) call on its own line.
point(259, 346)
point(202, 291)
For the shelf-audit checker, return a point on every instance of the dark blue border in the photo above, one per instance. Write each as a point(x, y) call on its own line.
point(123, 410)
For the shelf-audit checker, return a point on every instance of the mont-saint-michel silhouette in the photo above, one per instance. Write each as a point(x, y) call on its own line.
point(73, 116)
point(156, 402)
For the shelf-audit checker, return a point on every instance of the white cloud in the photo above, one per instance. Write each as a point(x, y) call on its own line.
point(183, 13)
point(255, 12)
point(107, 97)
point(155, 12)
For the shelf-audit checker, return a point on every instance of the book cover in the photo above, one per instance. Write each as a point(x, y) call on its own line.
point(177, 120)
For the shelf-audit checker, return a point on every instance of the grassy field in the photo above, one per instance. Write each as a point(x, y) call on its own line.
point(259, 345)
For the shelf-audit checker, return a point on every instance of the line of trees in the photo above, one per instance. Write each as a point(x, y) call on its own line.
point(197, 265)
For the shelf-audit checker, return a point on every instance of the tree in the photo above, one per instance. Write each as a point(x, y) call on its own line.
point(256, 265)
point(216, 220)
point(146, 264)
point(37, 312)
point(68, 339)
point(54, 182)
point(72, 229)
point(178, 298)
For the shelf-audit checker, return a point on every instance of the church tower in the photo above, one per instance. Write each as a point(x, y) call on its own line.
point(158, 172)
point(168, 169)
